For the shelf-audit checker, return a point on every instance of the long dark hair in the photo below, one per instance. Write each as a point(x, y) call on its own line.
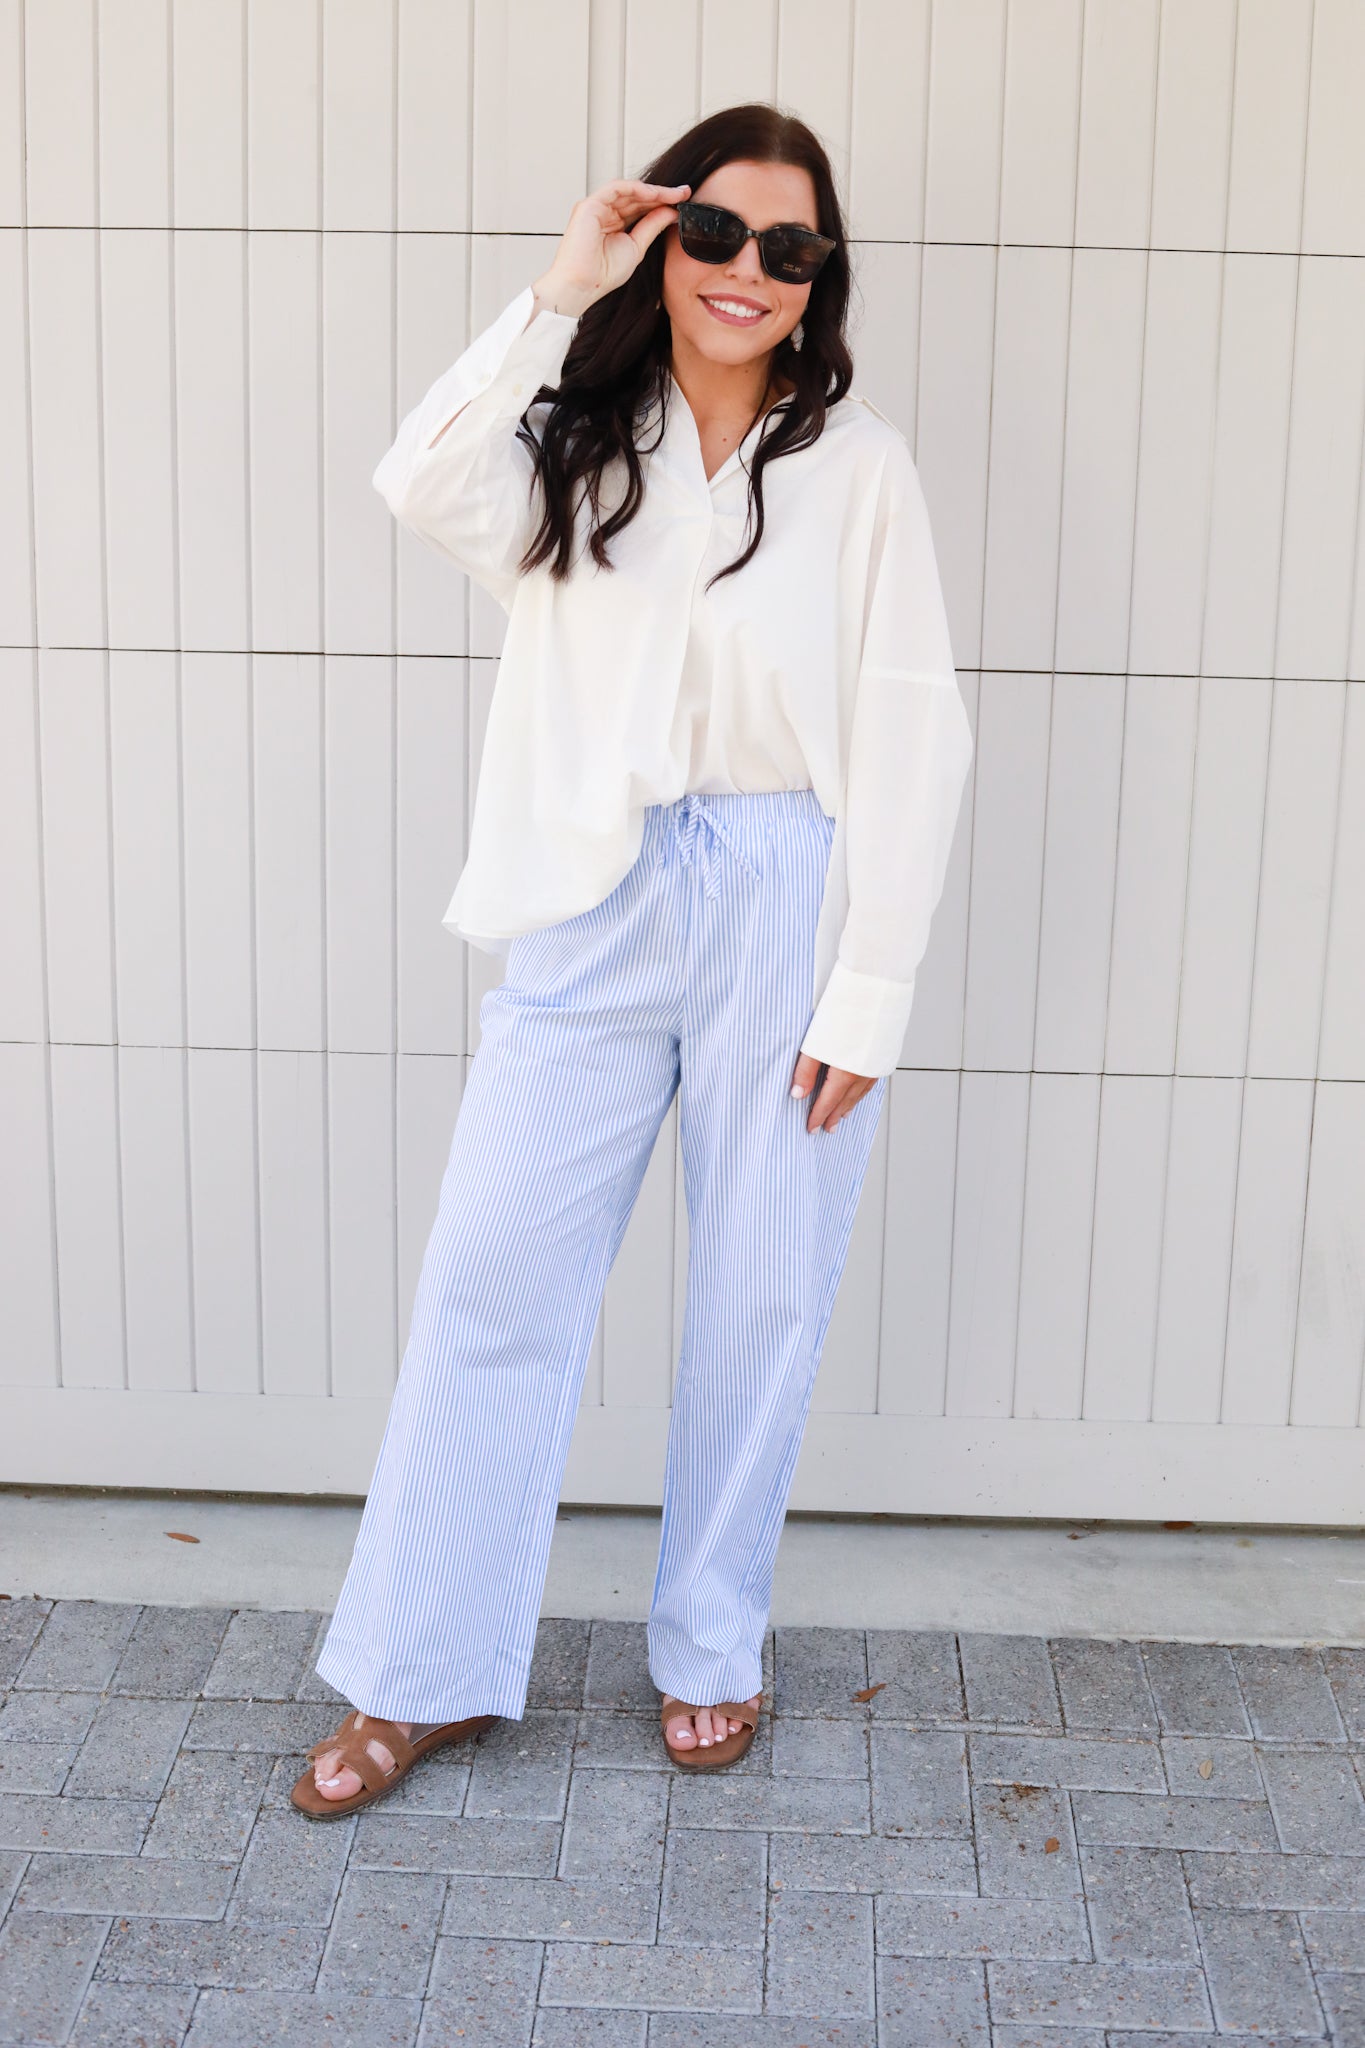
point(617, 362)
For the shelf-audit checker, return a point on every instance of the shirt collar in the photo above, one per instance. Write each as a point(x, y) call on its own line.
point(681, 442)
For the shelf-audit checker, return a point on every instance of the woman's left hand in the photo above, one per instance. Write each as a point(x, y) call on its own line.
point(838, 1092)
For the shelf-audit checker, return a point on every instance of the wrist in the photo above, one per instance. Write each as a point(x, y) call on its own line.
point(561, 295)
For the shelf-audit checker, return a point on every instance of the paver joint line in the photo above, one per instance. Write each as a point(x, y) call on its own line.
point(933, 1838)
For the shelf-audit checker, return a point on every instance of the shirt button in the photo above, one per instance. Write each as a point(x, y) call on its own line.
point(516, 391)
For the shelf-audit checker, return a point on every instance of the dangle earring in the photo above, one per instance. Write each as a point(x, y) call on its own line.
point(798, 335)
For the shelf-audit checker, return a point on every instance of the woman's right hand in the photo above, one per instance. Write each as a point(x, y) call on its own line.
point(608, 233)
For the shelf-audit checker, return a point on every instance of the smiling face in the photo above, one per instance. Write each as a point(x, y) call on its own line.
point(734, 312)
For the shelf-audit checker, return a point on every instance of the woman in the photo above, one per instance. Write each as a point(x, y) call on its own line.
point(719, 783)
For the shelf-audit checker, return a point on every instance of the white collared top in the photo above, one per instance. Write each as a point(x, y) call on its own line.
point(835, 631)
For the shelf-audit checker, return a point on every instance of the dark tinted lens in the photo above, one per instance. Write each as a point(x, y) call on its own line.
point(792, 255)
point(709, 233)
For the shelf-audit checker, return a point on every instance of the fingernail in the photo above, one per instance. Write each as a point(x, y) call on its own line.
point(797, 1090)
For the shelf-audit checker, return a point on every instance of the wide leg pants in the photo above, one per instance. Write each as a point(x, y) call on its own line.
point(693, 975)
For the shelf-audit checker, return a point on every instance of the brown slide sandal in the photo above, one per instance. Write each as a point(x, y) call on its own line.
point(350, 1742)
point(717, 1754)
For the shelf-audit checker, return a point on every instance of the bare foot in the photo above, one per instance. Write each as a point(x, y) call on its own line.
point(680, 1733)
point(340, 1784)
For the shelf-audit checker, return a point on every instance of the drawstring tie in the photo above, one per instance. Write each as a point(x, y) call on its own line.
point(685, 817)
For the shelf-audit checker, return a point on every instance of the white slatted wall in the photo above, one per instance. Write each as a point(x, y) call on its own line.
point(1111, 1257)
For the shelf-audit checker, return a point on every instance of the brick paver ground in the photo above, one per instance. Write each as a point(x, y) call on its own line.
point(935, 1842)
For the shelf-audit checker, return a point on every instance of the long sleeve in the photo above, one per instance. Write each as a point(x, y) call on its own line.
point(909, 752)
point(468, 494)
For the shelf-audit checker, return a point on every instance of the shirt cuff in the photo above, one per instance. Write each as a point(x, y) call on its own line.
point(509, 362)
point(860, 1022)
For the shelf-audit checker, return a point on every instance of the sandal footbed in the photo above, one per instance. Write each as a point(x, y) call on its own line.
point(350, 1742)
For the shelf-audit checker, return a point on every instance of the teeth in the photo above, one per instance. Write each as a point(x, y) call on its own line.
point(733, 306)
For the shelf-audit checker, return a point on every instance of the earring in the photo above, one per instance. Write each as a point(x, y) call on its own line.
point(657, 304)
point(798, 335)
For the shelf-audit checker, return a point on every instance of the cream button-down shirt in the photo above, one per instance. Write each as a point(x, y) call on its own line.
point(835, 632)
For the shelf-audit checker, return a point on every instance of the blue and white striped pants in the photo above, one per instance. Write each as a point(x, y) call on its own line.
point(694, 975)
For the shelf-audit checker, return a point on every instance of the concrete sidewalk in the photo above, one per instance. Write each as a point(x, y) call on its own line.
point(1075, 1579)
point(938, 1840)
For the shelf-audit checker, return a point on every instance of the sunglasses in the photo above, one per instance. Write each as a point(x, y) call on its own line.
point(712, 234)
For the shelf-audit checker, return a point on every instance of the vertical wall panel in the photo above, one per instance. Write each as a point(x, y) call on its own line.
point(1042, 117)
point(357, 115)
point(219, 911)
point(362, 1246)
point(295, 1318)
point(1099, 474)
point(848, 1379)
point(1054, 1277)
point(934, 1038)
point(1118, 120)
point(27, 1241)
point(1028, 410)
point(1267, 1244)
point(884, 325)
point(987, 1234)
point(966, 79)
point(134, 113)
point(1231, 750)
point(814, 39)
point(89, 1236)
point(11, 112)
point(64, 367)
point(357, 383)
point(952, 428)
point(1333, 199)
point(139, 438)
point(1251, 431)
point(17, 625)
point(430, 830)
point(156, 1233)
point(1125, 1259)
point(1170, 539)
point(285, 298)
point(144, 723)
point(211, 440)
point(921, 1137)
point(1007, 871)
point(1322, 487)
point(1330, 1348)
point(433, 326)
point(1196, 1251)
point(1301, 812)
point(76, 880)
point(435, 41)
point(22, 1004)
point(359, 712)
point(210, 113)
point(1270, 117)
point(59, 60)
point(1195, 54)
point(1083, 772)
point(288, 825)
point(225, 1213)
point(529, 159)
point(1152, 864)
point(1341, 1054)
point(283, 155)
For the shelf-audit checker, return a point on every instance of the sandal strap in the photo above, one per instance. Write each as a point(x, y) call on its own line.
point(350, 1743)
point(735, 1710)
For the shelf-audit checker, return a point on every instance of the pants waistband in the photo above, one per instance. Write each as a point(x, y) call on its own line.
point(742, 821)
